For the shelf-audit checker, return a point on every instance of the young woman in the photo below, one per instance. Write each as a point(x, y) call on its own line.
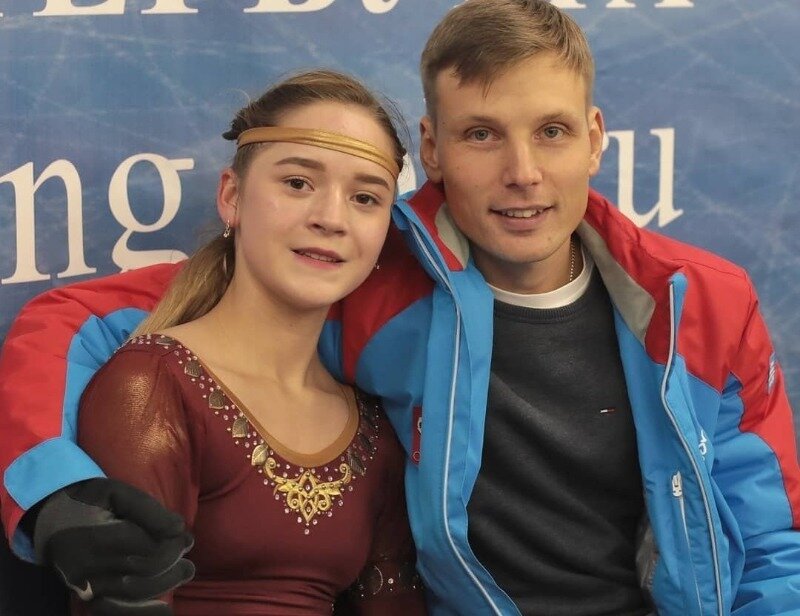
point(291, 482)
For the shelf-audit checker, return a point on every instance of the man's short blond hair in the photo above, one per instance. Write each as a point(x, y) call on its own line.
point(479, 39)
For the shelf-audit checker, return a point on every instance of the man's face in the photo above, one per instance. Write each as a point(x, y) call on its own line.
point(515, 161)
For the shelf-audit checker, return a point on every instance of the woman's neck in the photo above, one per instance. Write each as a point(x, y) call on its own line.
point(250, 334)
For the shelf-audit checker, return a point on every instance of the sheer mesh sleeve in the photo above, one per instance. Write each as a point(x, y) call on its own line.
point(389, 584)
point(134, 424)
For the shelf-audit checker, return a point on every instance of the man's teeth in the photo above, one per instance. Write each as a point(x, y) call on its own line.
point(313, 255)
point(521, 213)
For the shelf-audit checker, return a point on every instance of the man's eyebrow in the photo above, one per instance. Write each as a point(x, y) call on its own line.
point(558, 115)
point(477, 119)
point(309, 163)
point(548, 117)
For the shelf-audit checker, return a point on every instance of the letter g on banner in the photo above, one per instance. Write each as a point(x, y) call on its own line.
point(124, 257)
point(379, 6)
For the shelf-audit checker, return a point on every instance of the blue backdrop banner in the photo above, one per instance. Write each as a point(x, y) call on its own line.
point(111, 113)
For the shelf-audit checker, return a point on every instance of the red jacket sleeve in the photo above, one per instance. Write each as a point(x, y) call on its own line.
point(51, 351)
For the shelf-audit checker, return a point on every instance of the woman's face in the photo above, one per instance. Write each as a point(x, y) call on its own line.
point(310, 222)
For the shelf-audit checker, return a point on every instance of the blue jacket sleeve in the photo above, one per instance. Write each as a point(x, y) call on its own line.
point(757, 472)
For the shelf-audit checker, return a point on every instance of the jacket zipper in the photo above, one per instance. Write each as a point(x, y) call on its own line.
point(682, 438)
point(677, 492)
point(451, 415)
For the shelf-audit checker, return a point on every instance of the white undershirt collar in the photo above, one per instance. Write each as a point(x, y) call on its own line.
point(558, 298)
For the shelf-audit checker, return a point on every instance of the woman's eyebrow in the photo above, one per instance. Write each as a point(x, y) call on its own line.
point(372, 179)
point(310, 163)
point(303, 162)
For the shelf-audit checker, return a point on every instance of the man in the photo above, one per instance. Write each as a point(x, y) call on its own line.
point(594, 417)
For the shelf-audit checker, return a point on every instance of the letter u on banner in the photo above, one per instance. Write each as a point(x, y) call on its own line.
point(665, 207)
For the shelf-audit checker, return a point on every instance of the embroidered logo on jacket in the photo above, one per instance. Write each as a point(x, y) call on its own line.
point(773, 370)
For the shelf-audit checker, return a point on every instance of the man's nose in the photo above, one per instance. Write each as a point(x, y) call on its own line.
point(522, 167)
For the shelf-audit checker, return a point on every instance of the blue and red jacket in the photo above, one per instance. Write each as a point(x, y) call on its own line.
point(714, 428)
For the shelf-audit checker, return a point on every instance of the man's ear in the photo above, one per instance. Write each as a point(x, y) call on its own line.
point(428, 154)
point(596, 131)
point(228, 191)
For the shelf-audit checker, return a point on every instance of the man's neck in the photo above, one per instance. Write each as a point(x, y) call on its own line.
point(532, 278)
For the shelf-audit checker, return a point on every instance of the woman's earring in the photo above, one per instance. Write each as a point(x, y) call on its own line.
point(227, 232)
point(377, 266)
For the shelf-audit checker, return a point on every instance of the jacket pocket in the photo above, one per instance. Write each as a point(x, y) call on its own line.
point(687, 574)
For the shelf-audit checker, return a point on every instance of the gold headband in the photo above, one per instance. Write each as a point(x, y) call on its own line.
point(322, 139)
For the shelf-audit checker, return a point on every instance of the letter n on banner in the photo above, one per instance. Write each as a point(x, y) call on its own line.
point(25, 188)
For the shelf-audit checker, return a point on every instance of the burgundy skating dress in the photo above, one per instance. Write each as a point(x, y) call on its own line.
point(276, 532)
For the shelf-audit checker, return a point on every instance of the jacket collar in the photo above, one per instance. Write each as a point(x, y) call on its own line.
point(636, 269)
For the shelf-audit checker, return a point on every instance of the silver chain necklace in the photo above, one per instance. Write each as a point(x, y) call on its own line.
point(572, 252)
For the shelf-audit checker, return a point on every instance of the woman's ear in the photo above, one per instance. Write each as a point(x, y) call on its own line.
point(228, 191)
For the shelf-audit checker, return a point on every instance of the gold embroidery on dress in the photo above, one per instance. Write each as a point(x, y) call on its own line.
point(216, 400)
point(305, 493)
point(193, 368)
point(239, 430)
point(355, 462)
point(260, 455)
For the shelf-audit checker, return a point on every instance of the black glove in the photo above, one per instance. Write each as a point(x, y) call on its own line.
point(117, 547)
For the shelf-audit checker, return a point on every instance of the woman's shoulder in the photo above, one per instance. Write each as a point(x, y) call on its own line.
point(153, 344)
point(144, 353)
point(142, 362)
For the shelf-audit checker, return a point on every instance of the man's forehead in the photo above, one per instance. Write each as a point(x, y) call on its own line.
point(539, 62)
point(478, 97)
point(542, 81)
